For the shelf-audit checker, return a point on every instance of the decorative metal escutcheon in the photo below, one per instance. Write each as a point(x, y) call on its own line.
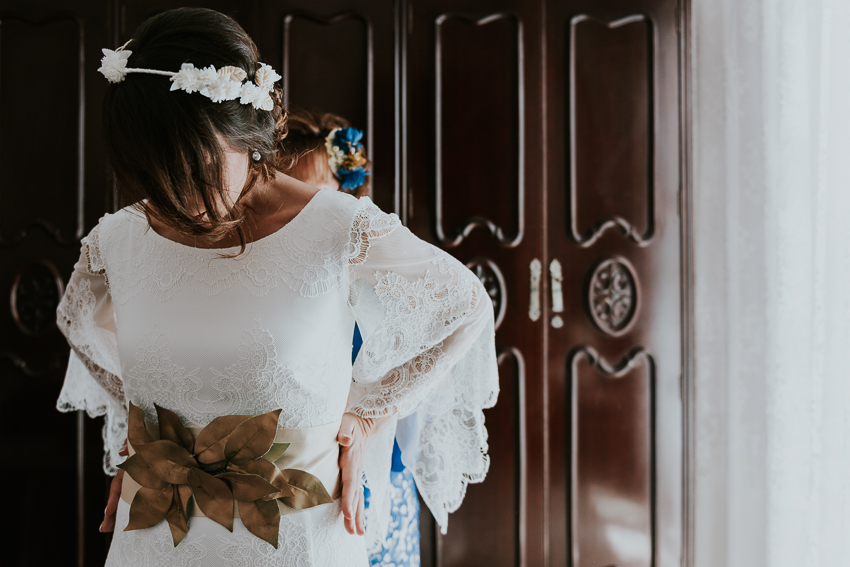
point(36, 292)
point(613, 295)
point(494, 282)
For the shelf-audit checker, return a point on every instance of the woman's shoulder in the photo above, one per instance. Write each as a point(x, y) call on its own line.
point(354, 209)
point(122, 221)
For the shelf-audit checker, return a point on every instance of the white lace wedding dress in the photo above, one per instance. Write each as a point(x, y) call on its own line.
point(153, 321)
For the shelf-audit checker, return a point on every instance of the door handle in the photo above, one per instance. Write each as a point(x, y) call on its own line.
point(535, 269)
point(557, 276)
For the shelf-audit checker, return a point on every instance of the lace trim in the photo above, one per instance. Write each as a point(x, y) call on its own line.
point(76, 320)
point(92, 381)
point(418, 315)
point(95, 264)
point(454, 455)
point(369, 223)
point(403, 389)
point(449, 391)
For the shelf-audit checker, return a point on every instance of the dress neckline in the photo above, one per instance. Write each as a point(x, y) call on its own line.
point(279, 232)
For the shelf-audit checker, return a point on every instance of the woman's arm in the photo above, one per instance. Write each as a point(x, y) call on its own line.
point(93, 379)
point(428, 356)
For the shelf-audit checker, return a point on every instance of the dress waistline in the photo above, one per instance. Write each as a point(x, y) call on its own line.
point(311, 449)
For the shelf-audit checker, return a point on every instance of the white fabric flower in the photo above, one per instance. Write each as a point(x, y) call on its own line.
point(266, 77)
point(218, 86)
point(256, 96)
point(222, 89)
point(186, 79)
point(114, 64)
point(335, 153)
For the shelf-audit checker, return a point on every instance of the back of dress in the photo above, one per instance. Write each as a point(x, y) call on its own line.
point(205, 335)
point(157, 323)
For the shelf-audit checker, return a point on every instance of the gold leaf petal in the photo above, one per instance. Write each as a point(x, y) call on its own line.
point(172, 429)
point(149, 507)
point(308, 490)
point(187, 501)
point(213, 497)
point(248, 487)
point(252, 439)
point(141, 472)
point(276, 452)
point(232, 73)
point(263, 77)
point(268, 471)
point(136, 432)
point(168, 460)
point(209, 446)
point(261, 519)
point(176, 518)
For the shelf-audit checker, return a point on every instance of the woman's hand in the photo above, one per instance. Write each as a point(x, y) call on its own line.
point(354, 431)
point(114, 494)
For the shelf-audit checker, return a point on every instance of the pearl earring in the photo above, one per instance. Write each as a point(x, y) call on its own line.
point(256, 155)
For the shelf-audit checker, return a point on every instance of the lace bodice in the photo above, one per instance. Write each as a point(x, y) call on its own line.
point(153, 321)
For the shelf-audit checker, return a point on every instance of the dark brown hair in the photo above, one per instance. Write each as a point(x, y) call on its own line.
point(305, 143)
point(164, 146)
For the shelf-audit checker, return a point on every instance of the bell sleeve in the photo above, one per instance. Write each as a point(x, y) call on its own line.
point(93, 379)
point(428, 356)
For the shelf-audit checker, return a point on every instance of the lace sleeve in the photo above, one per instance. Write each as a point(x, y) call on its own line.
point(93, 379)
point(428, 354)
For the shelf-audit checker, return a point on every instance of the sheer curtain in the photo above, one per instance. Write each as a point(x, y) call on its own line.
point(772, 262)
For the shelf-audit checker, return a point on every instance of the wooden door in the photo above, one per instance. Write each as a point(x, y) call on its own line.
point(340, 56)
point(473, 186)
point(53, 189)
point(513, 134)
point(614, 263)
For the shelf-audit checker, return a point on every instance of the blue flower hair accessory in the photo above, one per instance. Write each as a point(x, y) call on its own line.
point(345, 156)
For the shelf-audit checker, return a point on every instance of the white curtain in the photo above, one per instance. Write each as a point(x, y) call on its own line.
point(772, 263)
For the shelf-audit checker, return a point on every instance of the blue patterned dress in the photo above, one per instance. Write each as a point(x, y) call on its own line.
point(401, 546)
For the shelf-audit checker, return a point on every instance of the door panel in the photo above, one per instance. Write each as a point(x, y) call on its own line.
point(474, 188)
point(614, 356)
point(53, 190)
point(340, 56)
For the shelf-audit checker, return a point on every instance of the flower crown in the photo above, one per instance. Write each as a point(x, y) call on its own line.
point(345, 156)
point(217, 85)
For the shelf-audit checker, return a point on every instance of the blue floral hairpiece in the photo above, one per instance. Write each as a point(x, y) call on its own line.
point(345, 156)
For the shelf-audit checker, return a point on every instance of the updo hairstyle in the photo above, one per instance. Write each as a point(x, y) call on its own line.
point(305, 143)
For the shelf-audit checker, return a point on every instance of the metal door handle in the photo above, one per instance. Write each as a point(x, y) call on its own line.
point(535, 269)
point(557, 276)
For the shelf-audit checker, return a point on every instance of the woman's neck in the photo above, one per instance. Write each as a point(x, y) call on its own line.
point(270, 205)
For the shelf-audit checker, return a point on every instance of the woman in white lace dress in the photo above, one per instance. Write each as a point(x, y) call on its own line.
point(231, 290)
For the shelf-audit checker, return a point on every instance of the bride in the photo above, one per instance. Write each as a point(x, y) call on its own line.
point(211, 323)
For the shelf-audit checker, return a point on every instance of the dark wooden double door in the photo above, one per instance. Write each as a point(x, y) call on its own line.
point(541, 142)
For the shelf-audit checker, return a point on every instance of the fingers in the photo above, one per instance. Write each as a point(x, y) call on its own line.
point(349, 505)
point(108, 524)
point(352, 439)
point(345, 437)
point(361, 512)
point(354, 513)
point(123, 451)
point(350, 484)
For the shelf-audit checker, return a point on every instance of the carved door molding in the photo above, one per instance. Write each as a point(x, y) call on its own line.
point(615, 186)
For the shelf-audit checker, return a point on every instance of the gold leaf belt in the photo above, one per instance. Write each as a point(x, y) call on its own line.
point(238, 466)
